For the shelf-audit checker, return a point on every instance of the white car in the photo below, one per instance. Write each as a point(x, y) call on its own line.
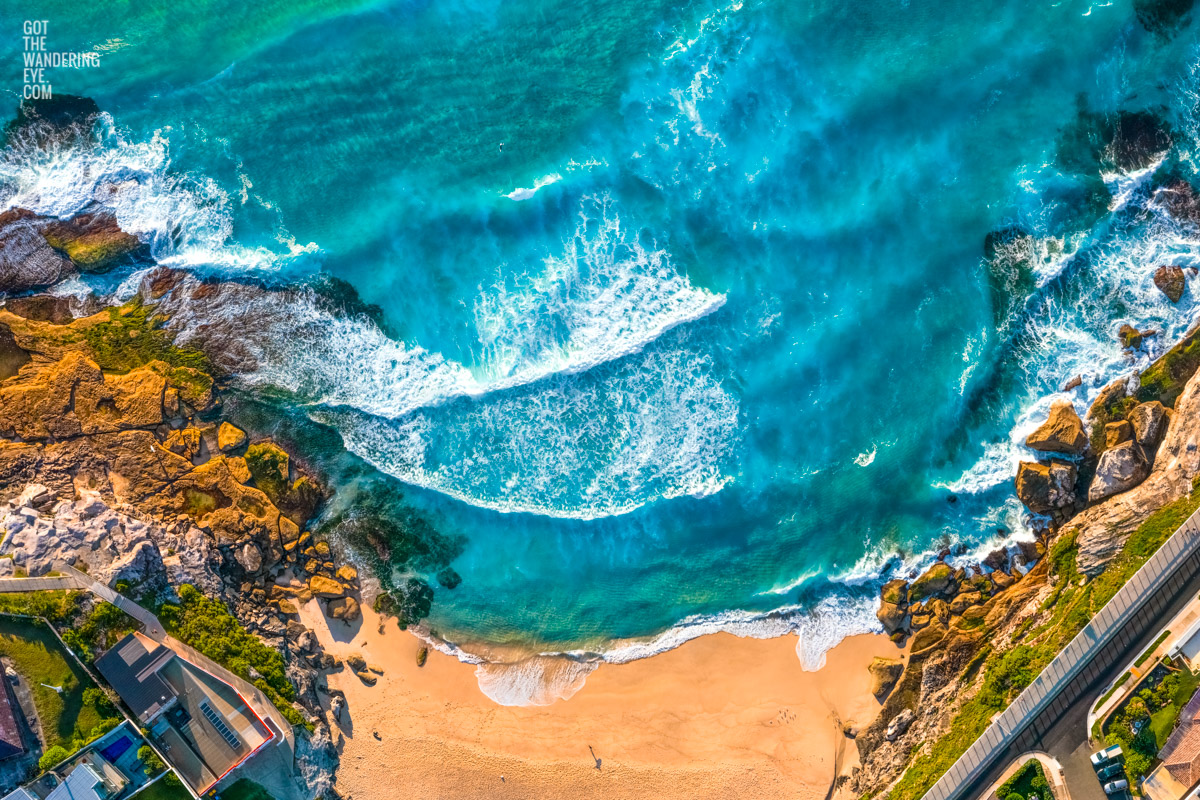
point(1107, 754)
point(1116, 786)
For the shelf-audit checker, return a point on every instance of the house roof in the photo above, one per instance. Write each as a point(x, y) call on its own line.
point(10, 731)
point(132, 668)
point(1181, 753)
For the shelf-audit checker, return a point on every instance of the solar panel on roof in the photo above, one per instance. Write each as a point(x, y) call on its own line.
point(217, 722)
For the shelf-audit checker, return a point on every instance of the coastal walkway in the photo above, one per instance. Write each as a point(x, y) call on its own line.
point(1043, 717)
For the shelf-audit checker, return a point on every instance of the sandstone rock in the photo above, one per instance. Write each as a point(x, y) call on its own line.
point(287, 607)
point(895, 591)
point(939, 609)
point(250, 557)
point(422, 655)
point(884, 674)
point(1120, 469)
point(1149, 422)
point(899, 724)
point(321, 548)
point(345, 609)
point(93, 240)
point(230, 437)
point(356, 662)
point(996, 559)
point(1002, 579)
point(184, 442)
point(891, 616)
point(27, 261)
point(1073, 384)
point(964, 601)
point(239, 470)
point(919, 621)
point(367, 678)
point(1062, 432)
point(929, 636)
point(1117, 432)
point(935, 580)
point(1131, 337)
point(337, 707)
point(1045, 488)
point(321, 586)
point(378, 670)
point(346, 574)
point(1171, 281)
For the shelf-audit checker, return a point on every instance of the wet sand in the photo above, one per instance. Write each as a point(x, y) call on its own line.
point(719, 716)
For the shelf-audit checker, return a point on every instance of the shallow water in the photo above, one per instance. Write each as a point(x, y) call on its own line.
point(684, 315)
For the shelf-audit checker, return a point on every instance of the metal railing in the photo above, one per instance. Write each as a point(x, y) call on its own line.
point(1158, 570)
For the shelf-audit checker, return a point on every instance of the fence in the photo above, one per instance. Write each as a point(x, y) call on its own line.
point(1138, 602)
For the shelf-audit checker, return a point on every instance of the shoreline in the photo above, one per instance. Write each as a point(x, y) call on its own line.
point(744, 709)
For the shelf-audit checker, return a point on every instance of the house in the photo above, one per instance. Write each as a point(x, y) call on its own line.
point(1180, 767)
point(10, 730)
point(93, 779)
point(201, 724)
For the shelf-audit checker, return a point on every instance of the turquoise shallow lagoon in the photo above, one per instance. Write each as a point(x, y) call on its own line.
point(683, 311)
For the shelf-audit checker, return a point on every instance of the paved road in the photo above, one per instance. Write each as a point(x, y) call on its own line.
point(1062, 731)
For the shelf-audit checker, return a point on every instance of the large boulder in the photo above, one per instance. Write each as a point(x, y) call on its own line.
point(1062, 432)
point(322, 586)
point(1170, 281)
point(345, 608)
point(899, 724)
point(1117, 432)
point(1149, 422)
point(1120, 469)
point(92, 240)
point(884, 674)
point(230, 437)
point(895, 591)
point(1131, 338)
point(933, 581)
point(891, 616)
point(1046, 488)
point(27, 261)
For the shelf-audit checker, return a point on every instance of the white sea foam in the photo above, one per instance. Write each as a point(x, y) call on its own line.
point(535, 681)
point(867, 457)
point(524, 194)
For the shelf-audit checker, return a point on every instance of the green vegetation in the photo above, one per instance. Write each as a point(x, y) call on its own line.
point(1029, 779)
point(67, 719)
point(1120, 682)
point(1153, 646)
point(101, 629)
point(206, 624)
point(133, 336)
point(1143, 723)
point(151, 763)
point(168, 787)
point(245, 789)
point(1071, 606)
point(270, 467)
point(52, 756)
point(922, 587)
point(1165, 378)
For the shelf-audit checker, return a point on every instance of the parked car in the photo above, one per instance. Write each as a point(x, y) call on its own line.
point(1116, 786)
point(1102, 757)
point(1111, 772)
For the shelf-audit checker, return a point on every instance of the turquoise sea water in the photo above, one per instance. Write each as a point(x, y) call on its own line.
point(684, 311)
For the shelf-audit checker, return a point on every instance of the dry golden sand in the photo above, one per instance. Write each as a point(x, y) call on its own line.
point(719, 717)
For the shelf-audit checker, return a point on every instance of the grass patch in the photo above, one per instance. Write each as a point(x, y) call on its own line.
point(1165, 378)
point(67, 719)
point(1008, 672)
point(1028, 780)
point(166, 788)
point(1162, 637)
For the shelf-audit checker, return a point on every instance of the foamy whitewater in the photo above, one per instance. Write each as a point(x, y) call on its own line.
point(677, 319)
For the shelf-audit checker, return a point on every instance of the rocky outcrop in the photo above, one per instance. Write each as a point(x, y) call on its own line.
point(1171, 281)
point(935, 580)
point(1062, 432)
point(230, 437)
point(1120, 469)
point(1148, 422)
point(1102, 529)
point(92, 240)
point(27, 261)
point(1180, 200)
point(1046, 488)
point(1131, 338)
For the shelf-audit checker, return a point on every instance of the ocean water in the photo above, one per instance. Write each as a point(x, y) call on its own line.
point(684, 323)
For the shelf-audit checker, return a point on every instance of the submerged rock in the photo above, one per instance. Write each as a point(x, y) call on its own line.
point(1062, 432)
point(92, 240)
point(1139, 139)
point(1162, 16)
point(1171, 281)
point(1120, 469)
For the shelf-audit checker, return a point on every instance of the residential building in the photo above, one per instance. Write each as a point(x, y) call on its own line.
point(201, 724)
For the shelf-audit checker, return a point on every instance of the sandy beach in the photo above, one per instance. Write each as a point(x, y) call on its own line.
point(719, 716)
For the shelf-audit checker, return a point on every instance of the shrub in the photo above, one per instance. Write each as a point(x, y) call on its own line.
point(151, 763)
point(52, 756)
